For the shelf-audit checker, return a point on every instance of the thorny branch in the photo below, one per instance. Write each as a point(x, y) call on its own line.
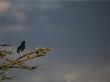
point(19, 62)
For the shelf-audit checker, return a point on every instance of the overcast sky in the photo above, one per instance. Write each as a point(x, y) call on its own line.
point(78, 31)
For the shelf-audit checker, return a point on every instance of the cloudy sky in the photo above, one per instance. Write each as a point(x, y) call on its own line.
point(78, 31)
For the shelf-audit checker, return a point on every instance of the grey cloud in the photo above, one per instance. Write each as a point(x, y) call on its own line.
point(70, 72)
point(4, 6)
point(60, 0)
point(78, 32)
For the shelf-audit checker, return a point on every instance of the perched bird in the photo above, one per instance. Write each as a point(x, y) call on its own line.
point(21, 47)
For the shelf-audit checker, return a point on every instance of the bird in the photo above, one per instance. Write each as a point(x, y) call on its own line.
point(21, 48)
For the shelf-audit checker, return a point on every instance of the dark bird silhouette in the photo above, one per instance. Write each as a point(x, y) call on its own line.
point(21, 47)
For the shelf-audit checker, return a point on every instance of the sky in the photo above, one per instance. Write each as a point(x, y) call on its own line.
point(78, 32)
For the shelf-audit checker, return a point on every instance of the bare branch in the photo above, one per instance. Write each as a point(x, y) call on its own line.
point(19, 62)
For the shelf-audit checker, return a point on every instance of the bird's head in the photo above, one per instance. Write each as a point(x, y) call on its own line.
point(23, 42)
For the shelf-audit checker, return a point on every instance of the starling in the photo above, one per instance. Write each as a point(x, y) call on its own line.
point(21, 47)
